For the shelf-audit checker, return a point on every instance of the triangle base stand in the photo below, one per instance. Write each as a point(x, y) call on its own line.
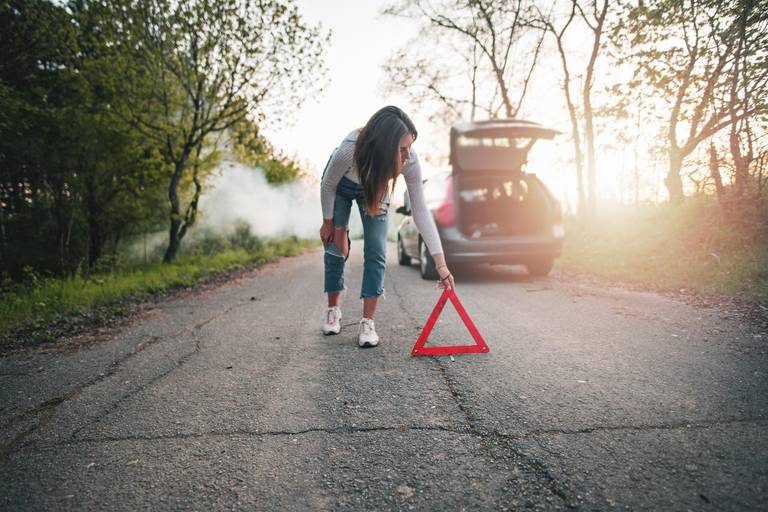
point(420, 350)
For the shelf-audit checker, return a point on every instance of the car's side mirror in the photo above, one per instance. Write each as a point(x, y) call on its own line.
point(406, 208)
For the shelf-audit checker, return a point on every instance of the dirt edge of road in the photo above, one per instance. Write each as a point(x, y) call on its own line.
point(102, 322)
point(731, 307)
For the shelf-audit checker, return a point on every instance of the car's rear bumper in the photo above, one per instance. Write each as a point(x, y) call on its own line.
point(517, 249)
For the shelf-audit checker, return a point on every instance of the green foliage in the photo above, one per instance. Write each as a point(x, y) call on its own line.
point(696, 245)
point(43, 300)
point(699, 69)
point(205, 66)
point(280, 169)
point(110, 110)
point(73, 179)
point(251, 148)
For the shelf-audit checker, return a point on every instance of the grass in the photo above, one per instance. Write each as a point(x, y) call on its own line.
point(41, 301)
point(699, 245)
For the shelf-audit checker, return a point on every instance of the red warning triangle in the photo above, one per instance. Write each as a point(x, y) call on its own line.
point(420, 350)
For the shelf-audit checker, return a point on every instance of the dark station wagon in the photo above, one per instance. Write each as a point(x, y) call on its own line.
point(488, 209)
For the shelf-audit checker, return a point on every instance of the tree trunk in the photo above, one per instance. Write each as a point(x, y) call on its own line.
point(589, 135)
point(95, 247)
point(589, 128)
point(740, 161)
point(474, 82)
point(174, 240)
point(59, 211)
point(3, 243)
point(636, 155)
point(740, 164)
point(577, 153)
point(94, 222)
point(504, 92)
point(673, 181)
point(714, 172)
point(582, 208)
point(191, 215)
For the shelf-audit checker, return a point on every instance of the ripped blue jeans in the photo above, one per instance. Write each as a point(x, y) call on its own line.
point(374, 241)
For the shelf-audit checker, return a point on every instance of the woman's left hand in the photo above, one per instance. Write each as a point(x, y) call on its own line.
point(446, 278)
point(326, 231)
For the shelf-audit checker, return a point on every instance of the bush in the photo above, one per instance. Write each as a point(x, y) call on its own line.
point(700, 245)
point(45, 299)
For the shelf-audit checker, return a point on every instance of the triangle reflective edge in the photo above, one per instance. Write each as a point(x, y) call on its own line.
point(480, 346)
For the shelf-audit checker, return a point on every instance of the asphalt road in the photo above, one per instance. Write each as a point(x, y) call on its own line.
point(591, 398)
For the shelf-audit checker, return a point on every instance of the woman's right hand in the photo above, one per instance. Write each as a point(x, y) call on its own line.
point(445, 278)
point(326, 231)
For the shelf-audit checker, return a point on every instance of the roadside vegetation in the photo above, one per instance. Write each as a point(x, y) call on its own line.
point(42, 308)
point(701, 245)
point(115, 117)
point(644, 86)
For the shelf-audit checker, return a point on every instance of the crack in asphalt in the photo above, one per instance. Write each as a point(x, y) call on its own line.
point(453, 389)
point(257, 433)
point(685, 425)
point(45, 411)
point(181, 361)
point(53, 402)
point(469, 430)
point(138, 389)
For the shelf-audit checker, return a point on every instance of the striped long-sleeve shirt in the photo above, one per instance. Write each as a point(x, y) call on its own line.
point(342, 164)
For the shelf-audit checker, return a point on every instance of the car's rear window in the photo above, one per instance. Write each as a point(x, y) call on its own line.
point(490, 153)
point(493, 142)
point(516, 189)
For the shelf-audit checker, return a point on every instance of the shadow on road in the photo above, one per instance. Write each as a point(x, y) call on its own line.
point(488, 274)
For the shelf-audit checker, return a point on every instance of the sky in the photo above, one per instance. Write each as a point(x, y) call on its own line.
point(361, 42)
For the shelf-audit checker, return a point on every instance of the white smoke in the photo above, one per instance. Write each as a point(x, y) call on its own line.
point(242, 194)
point(239, 193)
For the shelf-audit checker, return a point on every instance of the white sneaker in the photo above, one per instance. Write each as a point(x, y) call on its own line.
point(332, 323)
point(367, 336)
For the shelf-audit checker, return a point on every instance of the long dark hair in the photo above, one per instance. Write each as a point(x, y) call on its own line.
point(377, 152)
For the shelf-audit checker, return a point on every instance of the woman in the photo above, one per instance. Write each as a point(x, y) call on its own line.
point(361, 168)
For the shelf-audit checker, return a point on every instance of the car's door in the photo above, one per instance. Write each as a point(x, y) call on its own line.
point(408, 231)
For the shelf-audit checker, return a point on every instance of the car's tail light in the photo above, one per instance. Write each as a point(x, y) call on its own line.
point(557, 219)
point(445, 215)
point(558, 212)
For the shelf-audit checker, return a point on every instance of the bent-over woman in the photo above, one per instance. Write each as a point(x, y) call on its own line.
point(364, 168)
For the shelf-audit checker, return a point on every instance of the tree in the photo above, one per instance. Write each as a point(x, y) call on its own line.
point(118, 170)
point(593, 16)
point(204, 66)
point(749, 57)
point(687, 54)
point(252, 148)
point(36, 41)
point(483, 34)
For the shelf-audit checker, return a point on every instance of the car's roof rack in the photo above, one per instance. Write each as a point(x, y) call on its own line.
point(508, 120)
point(509, 126)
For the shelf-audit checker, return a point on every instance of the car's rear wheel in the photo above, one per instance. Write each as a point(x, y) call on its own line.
point(461, 268)
point(426, 263)
point(540, 267)
point(402, 258)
